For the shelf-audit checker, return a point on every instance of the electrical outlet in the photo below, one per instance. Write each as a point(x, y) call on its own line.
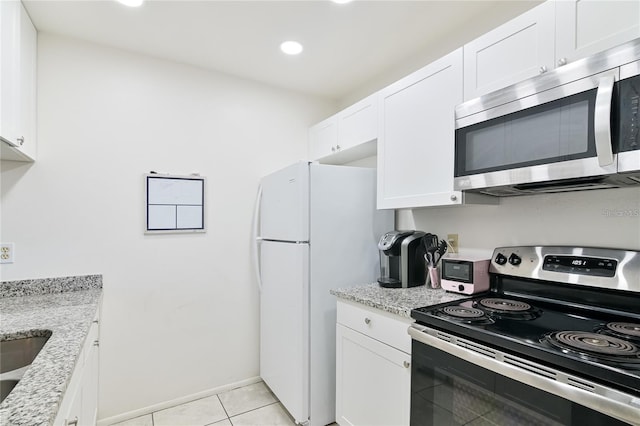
point(7, 252)
point(452, 240)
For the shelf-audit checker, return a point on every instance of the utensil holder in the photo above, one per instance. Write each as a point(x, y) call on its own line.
point(433, 277)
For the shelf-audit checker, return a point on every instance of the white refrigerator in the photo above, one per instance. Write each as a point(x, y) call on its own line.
point(316, 228)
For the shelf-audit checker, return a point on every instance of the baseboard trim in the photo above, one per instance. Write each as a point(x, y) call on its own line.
point(177, 401)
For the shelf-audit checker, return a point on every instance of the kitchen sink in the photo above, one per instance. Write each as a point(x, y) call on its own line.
point(16, 355)
point(6, 386)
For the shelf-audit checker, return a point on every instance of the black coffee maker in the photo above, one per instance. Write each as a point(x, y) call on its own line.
point(402, 263)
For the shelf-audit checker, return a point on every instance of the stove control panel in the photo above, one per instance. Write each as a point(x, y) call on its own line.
point(514, 259)
point(613, 269)
point(598, 267)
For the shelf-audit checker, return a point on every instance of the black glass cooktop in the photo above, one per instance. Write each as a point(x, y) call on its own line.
point(603, 345)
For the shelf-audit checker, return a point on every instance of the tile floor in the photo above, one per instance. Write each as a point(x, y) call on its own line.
point(252, 405)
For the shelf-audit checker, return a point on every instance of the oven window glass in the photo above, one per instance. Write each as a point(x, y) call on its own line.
point(446, 390)
point(560, 130)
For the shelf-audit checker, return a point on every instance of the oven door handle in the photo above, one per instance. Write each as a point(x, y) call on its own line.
point(602, 121)
point(606, 400)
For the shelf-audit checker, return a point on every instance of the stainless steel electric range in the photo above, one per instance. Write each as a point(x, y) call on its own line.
point(556, 341)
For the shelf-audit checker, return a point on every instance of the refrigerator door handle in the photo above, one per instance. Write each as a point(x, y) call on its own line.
point(255, 245)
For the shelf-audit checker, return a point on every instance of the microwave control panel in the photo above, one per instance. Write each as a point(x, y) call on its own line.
point(629, 104)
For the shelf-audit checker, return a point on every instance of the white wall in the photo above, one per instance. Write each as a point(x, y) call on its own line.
point(180, 312)
point(602, 218)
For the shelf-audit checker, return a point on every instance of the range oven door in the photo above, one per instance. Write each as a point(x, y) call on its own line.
point(449, 390)
point(563, 133)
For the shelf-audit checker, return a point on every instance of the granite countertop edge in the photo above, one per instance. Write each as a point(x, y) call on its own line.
point(62, 308)
point(398, 301)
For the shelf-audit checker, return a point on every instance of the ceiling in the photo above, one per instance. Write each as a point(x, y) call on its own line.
point(346, 45)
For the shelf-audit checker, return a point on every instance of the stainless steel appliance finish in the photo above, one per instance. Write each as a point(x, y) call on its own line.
point(587, 393)
point(556, 340)
point(529, 262)
point(599, 165)
point(15, 358)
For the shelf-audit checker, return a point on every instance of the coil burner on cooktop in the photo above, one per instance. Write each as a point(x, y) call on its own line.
point(508, 308)
point(625, 330)
point(543, 326)
point(596, 345)
point(464, 314)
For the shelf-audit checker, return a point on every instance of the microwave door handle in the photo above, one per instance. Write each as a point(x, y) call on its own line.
point(602, 121)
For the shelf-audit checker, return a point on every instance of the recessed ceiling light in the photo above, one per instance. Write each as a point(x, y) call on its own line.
point(341, 1)
point(131, 3)
point(291, 47)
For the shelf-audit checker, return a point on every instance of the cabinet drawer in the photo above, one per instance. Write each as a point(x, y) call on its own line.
point(385, 327)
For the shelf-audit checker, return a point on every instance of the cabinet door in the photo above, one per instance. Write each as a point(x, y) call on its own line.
point(90, 376)
point(71, 404)
point(358, 123)
point(515, 51)
point(28, 51)
point(587, 27)
point(416, 136)
point(9, 70)
point(373, 381)
point(323, 138)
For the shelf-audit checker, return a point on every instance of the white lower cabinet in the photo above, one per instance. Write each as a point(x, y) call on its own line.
point(373, 367)
point(79, 405)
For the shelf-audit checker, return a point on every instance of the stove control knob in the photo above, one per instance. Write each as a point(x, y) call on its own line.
point(514, 259)
point(500, 259)
point(461, 288)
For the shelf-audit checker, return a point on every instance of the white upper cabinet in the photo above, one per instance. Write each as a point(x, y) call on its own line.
point(323, 138)
point(585, 27)
point(18, 49)
point(515, 51)
point(347, 136)
point(358, 123)
point(9, 72)
point(546, 37)
point(416, 136)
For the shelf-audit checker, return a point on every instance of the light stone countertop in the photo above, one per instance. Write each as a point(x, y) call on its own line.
point(66, 309)
point(399, 301)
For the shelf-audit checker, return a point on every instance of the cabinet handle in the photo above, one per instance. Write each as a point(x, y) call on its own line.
point(543, 69)
point(95, 321)
point(96, 343)
point(406, 364)
point(562, 61)
point(454, 197)
point(73, 422)
point(367, 321)
point(20, 140)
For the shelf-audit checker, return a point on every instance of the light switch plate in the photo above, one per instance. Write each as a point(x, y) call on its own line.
point(7, 252)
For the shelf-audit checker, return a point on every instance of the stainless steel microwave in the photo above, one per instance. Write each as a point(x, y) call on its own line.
point(573, 128)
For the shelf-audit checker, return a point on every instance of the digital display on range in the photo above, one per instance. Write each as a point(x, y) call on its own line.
point(598, 267)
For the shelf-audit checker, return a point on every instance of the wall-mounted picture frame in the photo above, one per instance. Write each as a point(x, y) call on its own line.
point(174, 204)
